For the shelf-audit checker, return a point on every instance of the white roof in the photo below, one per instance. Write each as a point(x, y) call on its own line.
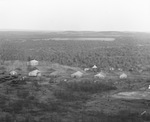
point(13, 72)
point(35, 73)
point(123, 75)
point(78, 74)
point(100, 75)
point(94, 66)
point(86, 69)
point(34, 62)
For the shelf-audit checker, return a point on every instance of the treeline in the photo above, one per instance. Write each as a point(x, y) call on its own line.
point(78, 53)
point(126, 58)
point(11, 51)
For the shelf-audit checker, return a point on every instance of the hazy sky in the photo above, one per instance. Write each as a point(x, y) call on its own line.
point(97, 15)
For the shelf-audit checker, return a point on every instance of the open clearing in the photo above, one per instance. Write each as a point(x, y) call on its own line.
point(133, 95)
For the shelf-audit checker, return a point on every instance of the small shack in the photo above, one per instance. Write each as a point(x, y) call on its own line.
point(100, 75)
point(33, 63)
point(77, 74)
point(13, 73)
point(86, 69)
point(123, 76)
point(34, 73)
point(94, 67)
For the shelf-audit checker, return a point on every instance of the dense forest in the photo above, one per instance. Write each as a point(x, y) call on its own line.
point(127, 51)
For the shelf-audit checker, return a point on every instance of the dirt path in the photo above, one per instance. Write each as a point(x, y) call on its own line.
point(110, 103)
point(133, 95)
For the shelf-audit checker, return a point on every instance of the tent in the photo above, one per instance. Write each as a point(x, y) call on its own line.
point(13, 72)
point(123, 76)
point(33, 63)
point(94, 67)
point(77, 74)
point(35, 73)
point(86, 69)
point(100, 75)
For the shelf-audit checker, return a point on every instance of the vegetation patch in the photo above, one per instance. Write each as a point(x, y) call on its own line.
point(71, 95)
point(88, 86)
point(122, 116)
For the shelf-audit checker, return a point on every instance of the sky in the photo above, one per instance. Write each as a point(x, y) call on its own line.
point(75, 15)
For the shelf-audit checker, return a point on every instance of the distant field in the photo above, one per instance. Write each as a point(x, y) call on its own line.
point(76, 39)
point(85, 39)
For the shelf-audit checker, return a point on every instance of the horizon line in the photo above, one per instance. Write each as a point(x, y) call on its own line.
point(36, 30)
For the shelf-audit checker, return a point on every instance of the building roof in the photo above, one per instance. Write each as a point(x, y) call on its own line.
point(13, 72)
point(123, 75)
point(100, 74)
point(86, 69)
point(33, 63)
point(34, 73)
point(94, 66)
point(78, 74)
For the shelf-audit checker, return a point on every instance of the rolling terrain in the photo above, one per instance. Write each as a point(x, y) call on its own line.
point(58, 97)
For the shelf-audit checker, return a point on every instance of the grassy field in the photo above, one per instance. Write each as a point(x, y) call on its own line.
point(75, 100)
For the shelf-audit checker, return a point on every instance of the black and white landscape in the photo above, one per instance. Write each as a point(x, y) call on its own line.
point(74, 60)
point(69, 87)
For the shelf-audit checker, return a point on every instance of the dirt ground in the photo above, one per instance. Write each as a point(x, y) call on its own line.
point(131, 94)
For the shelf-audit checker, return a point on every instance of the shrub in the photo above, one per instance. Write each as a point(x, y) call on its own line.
point(89, 87)
point(70, 95)
point(23, 94)
point(98, 116)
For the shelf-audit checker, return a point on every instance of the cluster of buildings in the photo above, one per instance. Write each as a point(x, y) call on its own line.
point(33, 71)
point(101, 74)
